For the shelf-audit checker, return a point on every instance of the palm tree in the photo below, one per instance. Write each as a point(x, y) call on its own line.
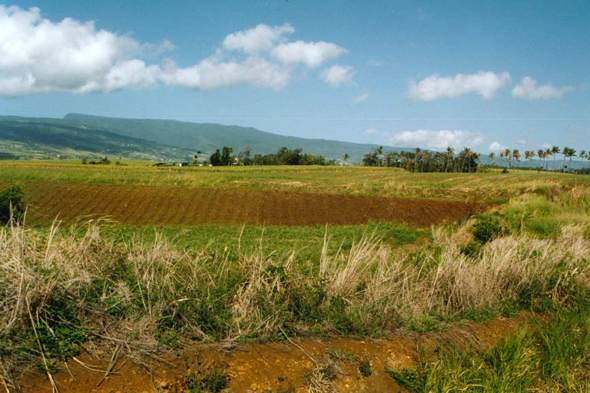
point(554, 151)
point(568, 152)
point(492, 156)
point(541, 154)
point(345, 157)
point(584, 154)
point(516, 155)
point(450, 155)
point(466, 152)
point(508, 155)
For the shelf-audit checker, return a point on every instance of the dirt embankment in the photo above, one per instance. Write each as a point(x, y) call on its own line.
point(157, 205)
point(356, 365)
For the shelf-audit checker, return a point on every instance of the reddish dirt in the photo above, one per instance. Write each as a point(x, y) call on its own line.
point(153, 205)
point(258, 368)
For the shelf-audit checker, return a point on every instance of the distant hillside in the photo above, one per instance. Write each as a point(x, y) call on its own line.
point(38, 138)
point(208, 137)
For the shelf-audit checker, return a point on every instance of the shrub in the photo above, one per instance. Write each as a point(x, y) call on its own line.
point(488, 228)
point(12, 204)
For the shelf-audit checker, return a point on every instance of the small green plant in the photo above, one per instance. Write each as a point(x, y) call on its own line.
point(409, 379)
point(365, 368)
point(342, 355)
point(212, 382)
point(12, 204)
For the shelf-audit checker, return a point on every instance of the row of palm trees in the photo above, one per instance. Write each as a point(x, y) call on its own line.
point(466, 160)
point(542, 154)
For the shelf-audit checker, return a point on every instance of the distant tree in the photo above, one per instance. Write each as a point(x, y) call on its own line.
point(584, 155)
point(555, 150)
point(568, 152)
point(345, 157)
point(516, 155)
point(508, 155)
point(244, 156)
point(450, 156)
point(492, 157)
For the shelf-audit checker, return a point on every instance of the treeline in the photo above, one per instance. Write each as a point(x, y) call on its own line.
point(283, 156)
point(425, 161)
point(508, 156)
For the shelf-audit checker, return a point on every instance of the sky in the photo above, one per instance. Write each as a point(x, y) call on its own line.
point(483, 74)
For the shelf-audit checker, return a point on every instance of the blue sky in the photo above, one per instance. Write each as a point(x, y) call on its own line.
point(501, 74)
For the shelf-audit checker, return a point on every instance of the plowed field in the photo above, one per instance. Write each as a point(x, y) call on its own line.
point(158, 205)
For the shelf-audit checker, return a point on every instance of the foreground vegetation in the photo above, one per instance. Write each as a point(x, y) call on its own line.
point(62, 287)
point(544, 356)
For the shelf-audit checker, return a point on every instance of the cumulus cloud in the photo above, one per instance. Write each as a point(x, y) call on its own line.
point(312, 54)
point(38, 55)
point(370, 131)
point(338, 75)
point(495, 146)
point(259, 38)
point(435, 139)
point(363, 97)
point(210, 74)
point(484, 83)
point(527, 89)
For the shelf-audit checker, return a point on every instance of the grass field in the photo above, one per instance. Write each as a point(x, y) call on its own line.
point(400, 252)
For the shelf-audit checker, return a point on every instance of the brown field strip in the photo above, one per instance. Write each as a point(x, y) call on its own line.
point(157, 205)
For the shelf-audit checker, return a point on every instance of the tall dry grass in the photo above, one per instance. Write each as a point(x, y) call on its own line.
point(138, 294)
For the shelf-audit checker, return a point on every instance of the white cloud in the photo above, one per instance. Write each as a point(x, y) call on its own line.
point(312, 54)
point(484, 83)
point(521, 141)
point(338, 75)
point(363, 97)
point(495, 146)
point(436, 139)
point(38, 55)
point(527, 89)
point(371, 131)
point(259, 38)
point(209, 74)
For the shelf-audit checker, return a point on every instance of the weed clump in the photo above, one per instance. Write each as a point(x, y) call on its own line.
point(488, 228)
point(12, 204)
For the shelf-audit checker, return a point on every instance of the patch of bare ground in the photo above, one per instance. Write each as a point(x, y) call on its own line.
point(296, 365)
point(159, 205)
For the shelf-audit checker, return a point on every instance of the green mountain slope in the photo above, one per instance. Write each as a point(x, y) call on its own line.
point(36, 138)
point(208, 137)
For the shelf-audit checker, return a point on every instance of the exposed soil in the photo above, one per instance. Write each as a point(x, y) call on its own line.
point(273, 367)
point(153, 205)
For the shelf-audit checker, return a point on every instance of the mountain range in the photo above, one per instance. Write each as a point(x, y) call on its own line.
point(79, 136)
point(85, 136)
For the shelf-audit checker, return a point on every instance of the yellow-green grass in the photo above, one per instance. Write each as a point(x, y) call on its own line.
point(492, 186)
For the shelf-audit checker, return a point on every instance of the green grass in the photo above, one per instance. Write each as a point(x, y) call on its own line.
point(545, 356)
point(305, 242)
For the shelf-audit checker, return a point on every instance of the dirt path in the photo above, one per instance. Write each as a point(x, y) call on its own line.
point(274, 367)
point(157, 205)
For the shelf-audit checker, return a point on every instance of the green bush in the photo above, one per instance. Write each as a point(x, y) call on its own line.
point(12, 204)
point(488, 228)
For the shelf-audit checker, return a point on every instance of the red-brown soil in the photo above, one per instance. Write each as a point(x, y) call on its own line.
point(273, 367)
point(157, 205)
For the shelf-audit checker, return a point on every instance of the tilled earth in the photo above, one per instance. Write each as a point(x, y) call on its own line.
point(159, 205)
